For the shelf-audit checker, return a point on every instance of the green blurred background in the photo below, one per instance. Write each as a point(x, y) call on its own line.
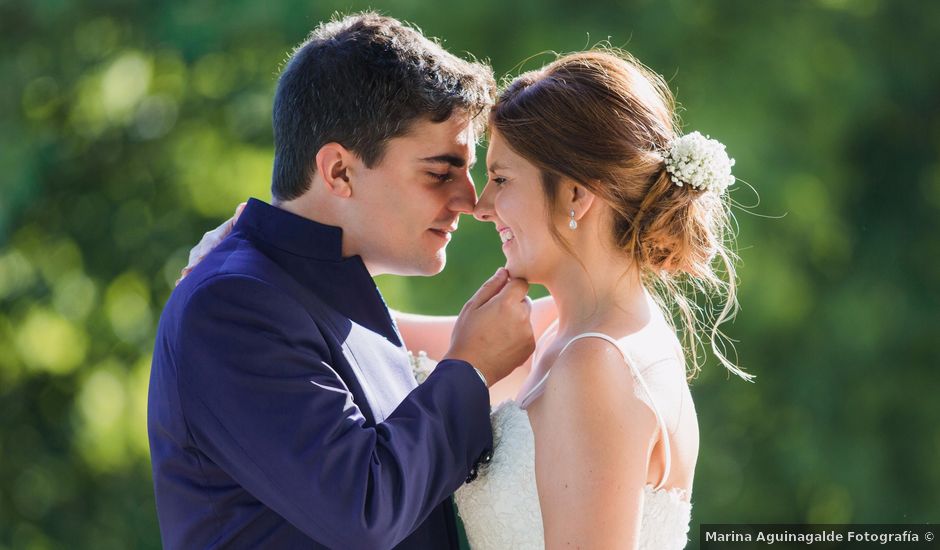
point(128, 129)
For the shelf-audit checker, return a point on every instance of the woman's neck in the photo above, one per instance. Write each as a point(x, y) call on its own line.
point(602, 290)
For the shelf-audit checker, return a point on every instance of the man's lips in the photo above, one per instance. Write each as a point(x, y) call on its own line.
point(444, 233)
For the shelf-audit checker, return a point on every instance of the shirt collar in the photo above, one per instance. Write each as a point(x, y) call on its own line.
point(290, 232)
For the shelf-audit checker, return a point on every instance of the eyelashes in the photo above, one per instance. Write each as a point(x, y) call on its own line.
point(443, 178)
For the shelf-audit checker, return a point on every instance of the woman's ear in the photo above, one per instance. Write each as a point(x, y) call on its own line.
point(333, 164)
point(578, 199)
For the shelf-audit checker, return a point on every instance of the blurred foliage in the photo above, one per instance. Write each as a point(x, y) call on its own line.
point(130, 128)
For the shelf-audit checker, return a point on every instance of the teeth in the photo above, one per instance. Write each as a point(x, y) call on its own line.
point(506, 235)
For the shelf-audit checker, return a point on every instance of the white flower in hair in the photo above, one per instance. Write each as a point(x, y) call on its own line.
point(700, 162)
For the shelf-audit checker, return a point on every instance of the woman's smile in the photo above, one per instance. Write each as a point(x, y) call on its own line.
point(505, 235)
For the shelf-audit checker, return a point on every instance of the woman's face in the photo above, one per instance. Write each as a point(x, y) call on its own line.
point(514, 201)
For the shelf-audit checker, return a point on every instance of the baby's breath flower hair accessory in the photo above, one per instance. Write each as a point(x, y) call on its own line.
point(700, 162)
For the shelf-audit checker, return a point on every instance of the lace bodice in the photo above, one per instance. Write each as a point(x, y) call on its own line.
point(500, 509)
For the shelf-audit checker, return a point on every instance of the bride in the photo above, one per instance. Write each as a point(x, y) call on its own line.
point(597, 197)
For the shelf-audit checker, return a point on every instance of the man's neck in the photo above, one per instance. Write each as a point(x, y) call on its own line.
point(309, 207)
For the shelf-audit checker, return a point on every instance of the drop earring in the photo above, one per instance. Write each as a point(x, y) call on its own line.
point(573, 224)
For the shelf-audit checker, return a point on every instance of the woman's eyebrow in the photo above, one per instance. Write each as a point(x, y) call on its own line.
point(494, 167)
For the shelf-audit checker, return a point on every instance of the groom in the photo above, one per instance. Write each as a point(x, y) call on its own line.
point(283, 412)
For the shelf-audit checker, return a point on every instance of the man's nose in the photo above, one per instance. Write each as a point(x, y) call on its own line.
point(465, 195)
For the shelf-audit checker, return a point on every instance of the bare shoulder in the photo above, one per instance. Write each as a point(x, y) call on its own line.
point(588, 362)
point(591, 381)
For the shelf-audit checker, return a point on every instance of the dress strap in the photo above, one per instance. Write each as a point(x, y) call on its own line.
point(530, 395)
point(552, 326)
point(667, 459)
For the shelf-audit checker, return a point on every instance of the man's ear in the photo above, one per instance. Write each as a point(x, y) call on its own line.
point(577, 198)
point(333, 164)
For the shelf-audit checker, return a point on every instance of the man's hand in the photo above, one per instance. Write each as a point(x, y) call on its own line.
point(209, 241)
point(493, 332)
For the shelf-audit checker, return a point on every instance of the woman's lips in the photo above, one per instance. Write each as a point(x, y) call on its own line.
point(506, 235)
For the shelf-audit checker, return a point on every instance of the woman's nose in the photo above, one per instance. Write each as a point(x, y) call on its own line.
point(483, 211)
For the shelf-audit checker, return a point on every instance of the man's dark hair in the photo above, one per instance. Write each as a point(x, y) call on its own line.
point(360, 81)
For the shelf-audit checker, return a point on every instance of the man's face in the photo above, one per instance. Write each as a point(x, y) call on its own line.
point(408, 203)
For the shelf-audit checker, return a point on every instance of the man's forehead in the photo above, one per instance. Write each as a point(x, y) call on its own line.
point(452, 141)
point(455, 149)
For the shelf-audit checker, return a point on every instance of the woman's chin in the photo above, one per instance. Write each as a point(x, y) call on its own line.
point(516, 269)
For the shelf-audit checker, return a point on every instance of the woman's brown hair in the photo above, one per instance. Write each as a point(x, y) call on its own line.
point(604, 120)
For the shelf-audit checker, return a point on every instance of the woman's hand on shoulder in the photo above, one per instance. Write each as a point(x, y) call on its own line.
point(210, 240)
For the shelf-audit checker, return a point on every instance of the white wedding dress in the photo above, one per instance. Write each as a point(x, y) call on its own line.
point(500, 509)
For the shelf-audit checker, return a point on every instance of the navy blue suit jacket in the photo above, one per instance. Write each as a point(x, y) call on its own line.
point(283, 412)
